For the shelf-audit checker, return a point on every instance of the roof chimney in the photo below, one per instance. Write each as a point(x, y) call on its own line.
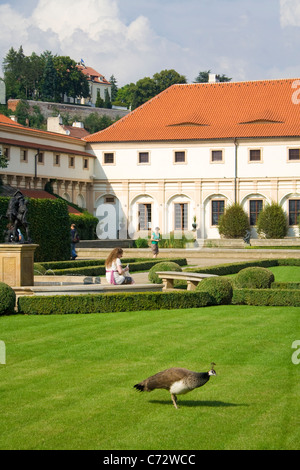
point(212, 78)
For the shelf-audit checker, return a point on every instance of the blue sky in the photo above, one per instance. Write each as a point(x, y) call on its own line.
point(132, 39)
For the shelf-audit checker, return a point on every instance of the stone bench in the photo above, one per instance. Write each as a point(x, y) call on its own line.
point(193, 279)
point(85, 289)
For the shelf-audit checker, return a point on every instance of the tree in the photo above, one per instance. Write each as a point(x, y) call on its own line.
point(272, 221)
point(107, 102)
point(14, 67)
point(99, 101)
point(234, 223)
point(114, 88)
point(49, 78)
point(167, 78)
point(203, 77)
point(70, 80)
point(134, 95)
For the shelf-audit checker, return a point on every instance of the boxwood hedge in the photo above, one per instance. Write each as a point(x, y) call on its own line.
point(105, 303)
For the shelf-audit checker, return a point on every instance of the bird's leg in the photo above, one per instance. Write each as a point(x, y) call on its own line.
point(174, 400)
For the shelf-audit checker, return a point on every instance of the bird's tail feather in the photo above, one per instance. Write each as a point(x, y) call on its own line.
point(139, 387)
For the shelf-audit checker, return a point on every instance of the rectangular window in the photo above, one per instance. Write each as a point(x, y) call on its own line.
point(181, 216)
point(294, 211)
point(85, 163)
point(40, 158)
point(216, 156)
point(217, 209)
point(254, 155)
point(255, 206)
point(108, 158)
point(143, 157)
point(56, 160)
point(71, 162)
point(179, 157)
point(6, 152)
point(145, 215)
point(294, 154)
point(24, 155)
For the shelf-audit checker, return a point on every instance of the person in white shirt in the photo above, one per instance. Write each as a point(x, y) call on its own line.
point(115, 273)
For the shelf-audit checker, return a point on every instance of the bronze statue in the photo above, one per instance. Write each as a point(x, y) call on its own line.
point(16, 215)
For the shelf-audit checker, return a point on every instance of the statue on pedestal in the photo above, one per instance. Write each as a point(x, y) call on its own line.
point(16, 215)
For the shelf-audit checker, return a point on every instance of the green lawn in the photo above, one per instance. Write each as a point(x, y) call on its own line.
point(68, 380)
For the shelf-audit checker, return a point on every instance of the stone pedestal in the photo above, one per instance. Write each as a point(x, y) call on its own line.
point(16, 264)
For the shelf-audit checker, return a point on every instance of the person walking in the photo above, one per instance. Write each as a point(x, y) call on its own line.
point(74, 240)
point(155, 237)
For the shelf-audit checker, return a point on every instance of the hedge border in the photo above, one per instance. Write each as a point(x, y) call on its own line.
point(108, 303)
point(266, 297)
point(97, 268)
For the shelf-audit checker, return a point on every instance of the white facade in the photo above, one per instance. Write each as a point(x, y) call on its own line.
point(123, 185)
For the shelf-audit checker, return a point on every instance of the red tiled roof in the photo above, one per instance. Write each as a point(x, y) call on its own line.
point(6, 120)
point(204, 111)
point(77, 132)
point(91, 74)
point(39, 194)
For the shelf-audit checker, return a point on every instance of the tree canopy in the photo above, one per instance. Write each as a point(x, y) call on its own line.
point(45, 77)
point(135, 94)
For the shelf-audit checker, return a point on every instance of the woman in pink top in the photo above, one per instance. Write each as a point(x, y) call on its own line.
point(115, 274)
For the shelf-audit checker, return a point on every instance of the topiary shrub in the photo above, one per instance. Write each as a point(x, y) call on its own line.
point(163, 266)
point(254, 278)
point(272, 222)
point(219, 289)
point(7, 299)
point(234, 223)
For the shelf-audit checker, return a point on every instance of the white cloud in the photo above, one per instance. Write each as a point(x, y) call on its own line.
point(92, 30)
point(289, 13)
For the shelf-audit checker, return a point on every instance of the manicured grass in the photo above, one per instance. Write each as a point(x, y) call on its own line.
point(286, 273)
point(68, 381)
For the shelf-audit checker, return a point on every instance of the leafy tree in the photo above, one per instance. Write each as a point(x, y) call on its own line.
point(125, 95)
point(167, 78)
point(95, 123)
point(133, 95)
point(234, 223)
point(144, 90)
point(70, 80)
point(272, 221)
point(203, 77)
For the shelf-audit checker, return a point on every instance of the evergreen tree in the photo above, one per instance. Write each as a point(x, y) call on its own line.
point(107, 102)
point(114, 88)
point(99, 101)
point(49, 78)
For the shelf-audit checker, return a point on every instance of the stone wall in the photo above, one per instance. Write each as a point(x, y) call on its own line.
point(49, 109)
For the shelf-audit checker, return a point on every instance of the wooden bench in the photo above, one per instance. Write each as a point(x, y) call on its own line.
point(193, 279)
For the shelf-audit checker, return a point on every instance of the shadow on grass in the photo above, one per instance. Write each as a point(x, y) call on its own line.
point(195, 403)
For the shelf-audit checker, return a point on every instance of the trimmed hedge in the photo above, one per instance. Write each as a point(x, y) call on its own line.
point(7, 299)
point(267, 297)
point(285, 285)
point(254, 278)
point(97, 268)
point(106, 303)
point(162, 266)
point(226, 269)
point(219, 289)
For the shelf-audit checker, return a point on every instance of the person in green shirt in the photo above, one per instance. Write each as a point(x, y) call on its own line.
point(155, 237)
